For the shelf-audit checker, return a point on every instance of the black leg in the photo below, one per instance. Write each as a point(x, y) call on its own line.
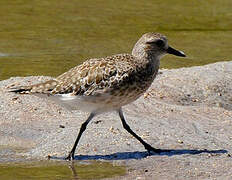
point(82, 129)
point(148, 147)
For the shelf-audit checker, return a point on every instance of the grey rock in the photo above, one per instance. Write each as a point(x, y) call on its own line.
point(187, 110)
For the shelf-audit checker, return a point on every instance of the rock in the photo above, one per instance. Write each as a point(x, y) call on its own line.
point(190, 105)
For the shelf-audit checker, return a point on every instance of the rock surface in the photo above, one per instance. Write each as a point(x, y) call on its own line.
point(187, 110)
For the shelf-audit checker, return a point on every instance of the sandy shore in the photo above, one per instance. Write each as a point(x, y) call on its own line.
point(187, 110)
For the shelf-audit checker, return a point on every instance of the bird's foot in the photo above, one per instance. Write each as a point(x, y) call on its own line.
point(150, 149)
point(70, 156)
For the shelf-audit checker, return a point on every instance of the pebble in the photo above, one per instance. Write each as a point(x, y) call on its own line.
point(62, 126)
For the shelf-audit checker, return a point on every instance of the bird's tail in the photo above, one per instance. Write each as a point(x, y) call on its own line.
point(35, 88)
point(20, 89)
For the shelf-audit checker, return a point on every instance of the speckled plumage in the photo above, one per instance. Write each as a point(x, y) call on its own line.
point(106, 84)
point(117, 80)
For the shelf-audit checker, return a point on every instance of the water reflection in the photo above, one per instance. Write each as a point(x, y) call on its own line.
point(60, 170)
point(74, 172)
point(3, 54)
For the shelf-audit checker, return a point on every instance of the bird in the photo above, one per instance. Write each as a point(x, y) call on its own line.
point(106, 84)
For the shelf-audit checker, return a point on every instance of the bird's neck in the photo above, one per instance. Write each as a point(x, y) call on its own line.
point(147, 57)
point(153, 63)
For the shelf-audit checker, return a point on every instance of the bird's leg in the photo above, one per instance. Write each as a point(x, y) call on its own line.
point(147, 146)
point(82, 129)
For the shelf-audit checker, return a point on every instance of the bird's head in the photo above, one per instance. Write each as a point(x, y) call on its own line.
point(154, 44)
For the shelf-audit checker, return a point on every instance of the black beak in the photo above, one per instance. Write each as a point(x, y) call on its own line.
point(171, 50)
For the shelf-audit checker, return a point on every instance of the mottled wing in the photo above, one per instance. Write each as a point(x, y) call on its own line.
point(95, 75)
point(92, 77)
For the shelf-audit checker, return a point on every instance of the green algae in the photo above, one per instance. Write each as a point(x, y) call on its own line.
point(59, 170)
point(49, 37)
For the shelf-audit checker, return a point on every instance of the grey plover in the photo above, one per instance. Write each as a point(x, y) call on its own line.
point(106, 84)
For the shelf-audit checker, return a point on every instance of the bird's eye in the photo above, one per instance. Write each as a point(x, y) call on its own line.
point(160, 43)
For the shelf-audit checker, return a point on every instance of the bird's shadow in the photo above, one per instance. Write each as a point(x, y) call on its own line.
point(144, 154)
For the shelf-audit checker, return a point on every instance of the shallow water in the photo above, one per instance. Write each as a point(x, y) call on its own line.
point(47, 170)
point(49, 37)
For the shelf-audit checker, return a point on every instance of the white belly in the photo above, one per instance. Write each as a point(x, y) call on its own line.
point(97, 104)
